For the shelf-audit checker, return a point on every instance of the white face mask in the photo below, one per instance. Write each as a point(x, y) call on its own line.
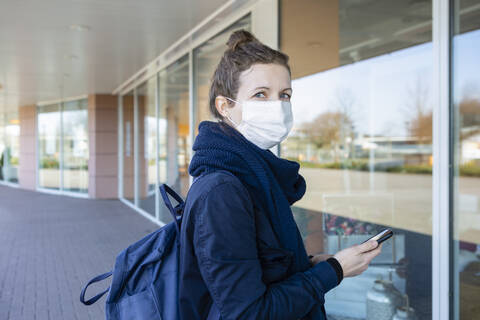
point(265, 123)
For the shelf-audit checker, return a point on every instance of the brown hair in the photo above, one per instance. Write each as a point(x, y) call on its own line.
point(244, 50)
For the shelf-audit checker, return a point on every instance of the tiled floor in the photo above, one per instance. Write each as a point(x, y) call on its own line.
point(50, 246)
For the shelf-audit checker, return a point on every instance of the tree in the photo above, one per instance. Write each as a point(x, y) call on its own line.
point(333, 129)
point(419, 115)
point(329, 130)
point(469, 109)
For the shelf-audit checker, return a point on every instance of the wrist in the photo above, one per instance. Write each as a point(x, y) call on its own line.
point(337, 267)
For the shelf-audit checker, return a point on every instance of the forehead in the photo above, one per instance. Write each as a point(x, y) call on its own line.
point(274, 76)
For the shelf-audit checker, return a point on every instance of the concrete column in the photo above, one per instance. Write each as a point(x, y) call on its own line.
point(103, 144)
point(27, 166)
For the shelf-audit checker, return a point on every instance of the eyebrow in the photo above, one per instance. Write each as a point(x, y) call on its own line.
point(269, 88)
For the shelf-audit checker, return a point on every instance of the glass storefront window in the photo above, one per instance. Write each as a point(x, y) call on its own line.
point(128, 147)
point(75, 146)
point(9, 147)
point(3, 153)
point(466, 124)
point(49, 131)
point(63, 168)
point(362, 83)
point(172, 125)
point(174, 129)
point(205, 60)
point(147, 144)
point(174, 100)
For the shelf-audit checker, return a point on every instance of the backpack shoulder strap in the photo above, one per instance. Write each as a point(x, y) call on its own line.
point(176, 211)
point(98, 296)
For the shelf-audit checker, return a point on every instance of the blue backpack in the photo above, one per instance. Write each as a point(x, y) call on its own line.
point(145, 275)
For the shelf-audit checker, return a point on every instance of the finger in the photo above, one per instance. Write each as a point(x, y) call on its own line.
point(373, 253)
point(368, 246)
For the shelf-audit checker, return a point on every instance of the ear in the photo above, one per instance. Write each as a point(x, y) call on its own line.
point(221, 104)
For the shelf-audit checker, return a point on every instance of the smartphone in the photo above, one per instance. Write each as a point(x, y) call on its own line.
point(382, 236)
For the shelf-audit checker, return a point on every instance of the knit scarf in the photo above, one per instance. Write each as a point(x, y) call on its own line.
point(272, 182)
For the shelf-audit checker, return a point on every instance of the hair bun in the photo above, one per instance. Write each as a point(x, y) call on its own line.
point(240, 37)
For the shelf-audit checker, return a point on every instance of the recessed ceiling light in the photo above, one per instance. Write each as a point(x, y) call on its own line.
point(79, 27)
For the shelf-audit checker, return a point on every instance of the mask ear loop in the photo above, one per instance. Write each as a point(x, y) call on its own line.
point(228, 113)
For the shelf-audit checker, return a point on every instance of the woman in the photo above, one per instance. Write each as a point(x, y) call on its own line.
point(242, 256)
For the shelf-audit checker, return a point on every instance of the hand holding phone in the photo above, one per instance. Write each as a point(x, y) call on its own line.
point(355, 260)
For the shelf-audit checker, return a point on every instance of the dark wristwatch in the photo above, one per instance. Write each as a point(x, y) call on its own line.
point(310, 259)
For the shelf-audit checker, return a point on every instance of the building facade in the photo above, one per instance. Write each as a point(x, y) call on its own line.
point(386, 101)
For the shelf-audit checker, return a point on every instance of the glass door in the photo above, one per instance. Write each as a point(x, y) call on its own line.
point(174, 129)
point(362, 83)
point(128, 149)
point(9, 147)
point(147, 144)
point(49, 132)
point(75, 146)
point(466, 124)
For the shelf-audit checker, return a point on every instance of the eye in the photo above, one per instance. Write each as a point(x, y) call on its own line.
point(285, 96)
point(260, 94)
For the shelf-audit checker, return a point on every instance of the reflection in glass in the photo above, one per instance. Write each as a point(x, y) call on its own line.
point(128, 141)
point(363, 136)
point(75, 146)
point(205, 60)
point(3, 152)
point(174, 129)
point(9, 147)
point(49, 131)
point(72, 118)
point(466, 117)
point(147, 145)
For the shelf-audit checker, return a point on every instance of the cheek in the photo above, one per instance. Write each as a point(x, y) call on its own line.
point(236, 113)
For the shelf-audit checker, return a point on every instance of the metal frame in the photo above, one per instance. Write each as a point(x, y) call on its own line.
point(442, 166)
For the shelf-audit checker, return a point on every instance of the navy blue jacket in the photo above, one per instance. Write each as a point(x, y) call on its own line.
point(231, 257)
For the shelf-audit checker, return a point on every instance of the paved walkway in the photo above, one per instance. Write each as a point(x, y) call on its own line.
point(50, 246)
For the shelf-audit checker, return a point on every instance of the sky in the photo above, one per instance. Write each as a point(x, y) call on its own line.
point(382, 90)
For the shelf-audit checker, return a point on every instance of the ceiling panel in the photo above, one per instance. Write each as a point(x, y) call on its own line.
point(43, 56)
